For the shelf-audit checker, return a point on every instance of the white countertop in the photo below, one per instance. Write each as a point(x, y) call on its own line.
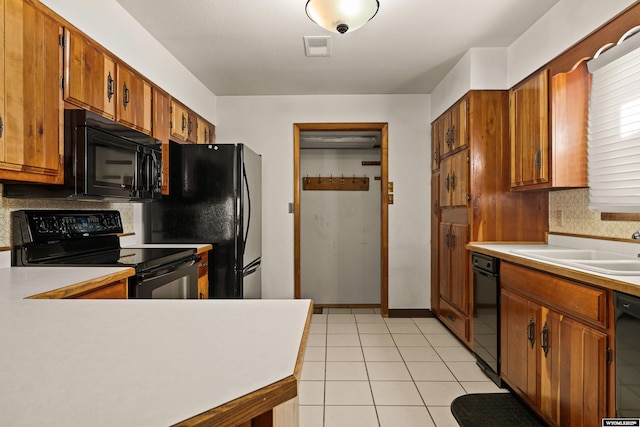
point(630, 284)
point(133, 362)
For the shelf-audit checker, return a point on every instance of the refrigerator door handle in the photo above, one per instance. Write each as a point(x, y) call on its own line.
point(252, 267)
point(246, 232)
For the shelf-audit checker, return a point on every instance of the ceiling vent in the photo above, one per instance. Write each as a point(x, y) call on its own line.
point(317, 45)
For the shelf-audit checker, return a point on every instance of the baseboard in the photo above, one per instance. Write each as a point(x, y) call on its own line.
point(410, 312)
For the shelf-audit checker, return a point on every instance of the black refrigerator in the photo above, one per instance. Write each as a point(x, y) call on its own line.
point(214, 197)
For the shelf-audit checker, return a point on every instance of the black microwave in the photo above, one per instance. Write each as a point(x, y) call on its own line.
point(104, 160)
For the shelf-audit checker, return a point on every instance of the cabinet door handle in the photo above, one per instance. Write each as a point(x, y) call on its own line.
point(184, 122)
point(190, 127)
point(110, 90)
point(1, 126)
point(446, 182)
point(453, 181)
point(538, 160)
point(125, 95)
point(435, 155)
point(453, 135)
point(446, 239)
point(530, 332)
point(453, 241)
point(448, 138)
point(435, 207)
point(544, 339)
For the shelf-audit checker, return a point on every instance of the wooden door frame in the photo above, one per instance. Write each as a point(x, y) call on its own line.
point(384, 203)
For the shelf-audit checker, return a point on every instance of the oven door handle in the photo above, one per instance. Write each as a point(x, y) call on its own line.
point(153, 273)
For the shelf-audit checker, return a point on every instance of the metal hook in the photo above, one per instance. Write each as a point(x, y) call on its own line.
point(319, 179)
point(342, 180)
point(331, 179)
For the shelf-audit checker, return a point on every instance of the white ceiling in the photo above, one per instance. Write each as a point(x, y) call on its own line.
point(255, 47)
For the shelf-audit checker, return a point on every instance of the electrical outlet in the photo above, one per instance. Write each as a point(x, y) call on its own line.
point(557, 217)
point(390, 187)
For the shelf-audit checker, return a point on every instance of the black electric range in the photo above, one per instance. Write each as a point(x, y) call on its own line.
point(82, 238)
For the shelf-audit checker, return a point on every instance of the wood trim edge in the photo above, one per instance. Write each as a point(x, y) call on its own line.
point(303, 343)
point(247, 407)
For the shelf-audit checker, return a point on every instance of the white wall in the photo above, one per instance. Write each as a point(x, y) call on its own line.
point(265, 123)
point(565, 24)
point(106, 22)
point(340, 230)
point(562, 26)
point(479, 68)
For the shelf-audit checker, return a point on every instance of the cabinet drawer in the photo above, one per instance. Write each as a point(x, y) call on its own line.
point(457, 322)
point(585, 302)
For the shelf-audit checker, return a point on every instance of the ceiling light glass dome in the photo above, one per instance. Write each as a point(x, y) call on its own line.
point(340, 16)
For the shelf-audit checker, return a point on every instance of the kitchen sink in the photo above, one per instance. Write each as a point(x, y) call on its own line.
point(573, 254)
point(588, 259)
point(623, 267)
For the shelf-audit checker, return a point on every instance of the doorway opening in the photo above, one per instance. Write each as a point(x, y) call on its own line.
point(321, 135)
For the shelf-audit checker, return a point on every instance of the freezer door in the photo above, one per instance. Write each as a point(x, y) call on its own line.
point(251, 222)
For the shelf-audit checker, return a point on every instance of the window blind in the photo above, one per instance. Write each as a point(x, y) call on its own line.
point(614, 129)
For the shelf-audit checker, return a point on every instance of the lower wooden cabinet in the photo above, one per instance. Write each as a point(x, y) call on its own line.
point(555, 354)
point(115, 290)
point(203, 276)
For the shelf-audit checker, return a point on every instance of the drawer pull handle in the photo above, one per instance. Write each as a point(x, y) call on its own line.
point(110, 90)
point(544, 338)
point(530, 332)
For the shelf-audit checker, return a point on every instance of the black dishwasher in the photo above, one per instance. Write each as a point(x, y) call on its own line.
point(627, 355)
point(486, 314)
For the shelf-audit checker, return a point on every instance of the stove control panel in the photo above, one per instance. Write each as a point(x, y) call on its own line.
point(60, 225)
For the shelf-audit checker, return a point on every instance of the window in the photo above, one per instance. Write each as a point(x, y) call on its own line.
point(614, 128)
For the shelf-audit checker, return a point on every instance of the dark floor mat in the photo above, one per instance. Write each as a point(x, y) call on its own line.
point(493, 410)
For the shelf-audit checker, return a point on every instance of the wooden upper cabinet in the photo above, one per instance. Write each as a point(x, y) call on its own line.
point(548, 119)
point(203, 131)
point(459, 131)
point(452, 128)
point(89, 75)
point(179, 120)
point(133, 99)
point(529, 128)
point(162, 131)
point(570, 114)
point(454, 181)
point(192, 123)
point(31, 105)
point(436, 142)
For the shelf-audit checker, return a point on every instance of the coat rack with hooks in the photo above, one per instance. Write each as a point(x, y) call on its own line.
point(340, 183)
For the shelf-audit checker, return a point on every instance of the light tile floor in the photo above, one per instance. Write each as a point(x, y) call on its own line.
point(363, 370)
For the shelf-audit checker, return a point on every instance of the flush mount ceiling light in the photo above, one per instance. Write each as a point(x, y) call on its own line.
point(340, 16)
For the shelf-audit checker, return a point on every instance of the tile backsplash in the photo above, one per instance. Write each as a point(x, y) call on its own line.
point(8, 205)
point(569, 213)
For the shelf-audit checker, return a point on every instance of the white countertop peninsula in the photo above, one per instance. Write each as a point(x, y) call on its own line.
point(140, 362)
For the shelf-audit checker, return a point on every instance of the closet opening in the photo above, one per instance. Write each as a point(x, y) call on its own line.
point(341, 214)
